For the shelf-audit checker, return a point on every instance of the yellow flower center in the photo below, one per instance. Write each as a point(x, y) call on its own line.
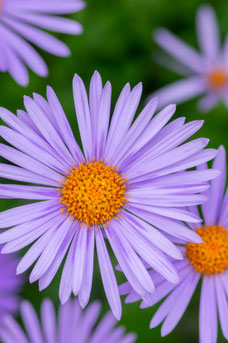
point(218, 78)
point(93, 193)
point(211, 256)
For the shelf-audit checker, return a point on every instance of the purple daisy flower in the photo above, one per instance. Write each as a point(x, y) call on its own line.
point(207, 261)
point(72, 325)
point(129, 184)
point(20, 23)
point(205, 73)
point(10, 285)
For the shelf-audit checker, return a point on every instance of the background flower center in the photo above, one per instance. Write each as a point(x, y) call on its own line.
point(93, 192)
point(218, 78)
point(211, 256)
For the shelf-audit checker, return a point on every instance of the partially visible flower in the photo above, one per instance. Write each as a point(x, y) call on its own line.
point(205, 73)
point(10, 285)
point(207, 261)
point(128, 185)
point(20, 23)
point(71, 326)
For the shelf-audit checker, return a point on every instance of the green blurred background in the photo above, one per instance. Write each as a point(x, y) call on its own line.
point(117, 41)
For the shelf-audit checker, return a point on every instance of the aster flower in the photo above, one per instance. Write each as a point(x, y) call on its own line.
point(21, 23)
point(127, 185)
point(205, 73)
point(72, 325)
point(10, 285)
point(207, 261)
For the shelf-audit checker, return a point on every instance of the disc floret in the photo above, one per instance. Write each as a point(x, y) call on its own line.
point(94, 192)
point(211, 256)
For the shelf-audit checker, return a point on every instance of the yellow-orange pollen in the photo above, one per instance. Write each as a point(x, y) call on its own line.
point(218, 78)
point(93, 193)
point(211, 256)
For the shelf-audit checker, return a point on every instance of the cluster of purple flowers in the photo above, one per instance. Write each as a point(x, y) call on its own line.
point(138, 186)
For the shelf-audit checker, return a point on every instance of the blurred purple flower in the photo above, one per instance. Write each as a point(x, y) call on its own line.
point(72, 325)
point(10, 285)
point(208, 261)
point(129, 183)
point(20, 22)
point(205, 73)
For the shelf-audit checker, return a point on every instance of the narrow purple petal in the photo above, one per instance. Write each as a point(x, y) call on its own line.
point(25, 213)
point(181, 91)
point(208, 35)
point(89, 320)
point(115, 119)
point(83, 115)
point(14, 334)
point(103, 329)
point(212, 207)
point(29, 163)
point(152, 235)
point(130, 263)
point(25, 52)
point(57, 24)
point(26, 227)
point(15, 66)
point(13, 191)
point(31, 322)
point(169, 158)
point(103, 116)
point(208, 321)
point(49, 275)
point(125, 119)
point(95, 92)
point(40, 38)
point(152, 255)
point(222, 305)
point(48, 321)
point(66, 283)
point(8, 171)
point(32, 149)
point(178, 49)
point(156, 124)
point(172, 227)
point(35, 251)
point(84, 293)
point(51, 250)
point(47, 130)
point(108, 276)
point(63, 125)
point(30, 237)
point(135, 131)
point(183, 297)
point(79, 259)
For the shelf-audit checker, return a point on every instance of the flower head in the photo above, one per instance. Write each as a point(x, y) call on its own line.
point(93, 193)
point(207, 261)
point(10, 285)
point(205, 73)
point(210, 257)
point(72, 325)
point(21, 23)
point(127, 185)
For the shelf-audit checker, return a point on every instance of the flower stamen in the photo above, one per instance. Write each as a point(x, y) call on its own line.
point(93, 193)
point(211, 256)
point(218, 79)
